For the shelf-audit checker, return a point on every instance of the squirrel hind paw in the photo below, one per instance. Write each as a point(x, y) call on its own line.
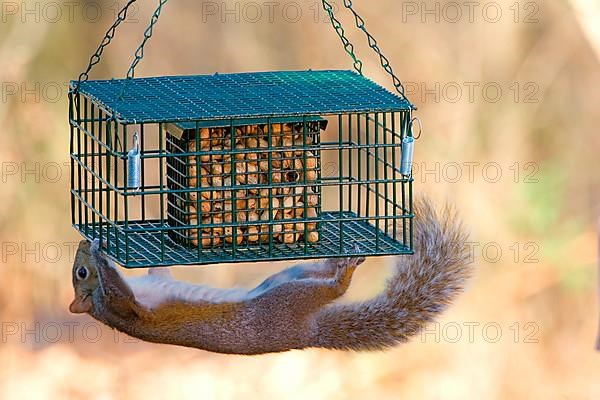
point(356, 261)
point(359, 260)
point(350, 262)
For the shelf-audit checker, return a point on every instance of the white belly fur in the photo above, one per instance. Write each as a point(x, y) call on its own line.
point(153, 290)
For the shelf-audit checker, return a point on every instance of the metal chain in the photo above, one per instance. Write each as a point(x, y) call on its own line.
point(385, 63)
point(110, 34)
point(339, 29)
point(139, 53)
point(327, 6)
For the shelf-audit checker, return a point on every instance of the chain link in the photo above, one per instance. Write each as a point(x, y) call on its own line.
point(339, 29)
point(327, 6)
point(349, 47)
point(385, 62)
point(108, 37)
point(139, 53)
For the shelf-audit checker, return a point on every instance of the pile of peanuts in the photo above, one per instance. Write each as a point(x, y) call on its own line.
point(282, 173)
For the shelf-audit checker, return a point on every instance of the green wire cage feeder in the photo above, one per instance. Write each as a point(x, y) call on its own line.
point(225, 168)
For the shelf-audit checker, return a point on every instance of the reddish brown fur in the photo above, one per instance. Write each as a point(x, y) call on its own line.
point(293, 309)
point(420, 289)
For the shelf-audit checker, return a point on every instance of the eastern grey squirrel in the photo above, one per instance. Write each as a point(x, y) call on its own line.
point(293, 309)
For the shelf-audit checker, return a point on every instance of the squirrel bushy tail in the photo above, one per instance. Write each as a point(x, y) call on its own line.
point(420, 289)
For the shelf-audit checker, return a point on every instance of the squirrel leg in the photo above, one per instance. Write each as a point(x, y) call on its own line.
point(323, 269)
point(297, 272)
point(345, 268)
point(315, 293)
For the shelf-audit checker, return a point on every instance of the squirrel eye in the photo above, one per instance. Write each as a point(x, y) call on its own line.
point(82, 273)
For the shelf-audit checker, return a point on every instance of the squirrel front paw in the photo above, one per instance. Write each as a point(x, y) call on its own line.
point(349, 262)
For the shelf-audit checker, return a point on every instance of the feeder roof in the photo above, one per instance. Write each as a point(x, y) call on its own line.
point(240, 96)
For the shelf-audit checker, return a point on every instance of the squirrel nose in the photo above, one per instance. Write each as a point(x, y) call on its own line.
point(73, 308)
point(81, 305)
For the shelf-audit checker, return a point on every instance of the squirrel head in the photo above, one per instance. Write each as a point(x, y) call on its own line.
point(85, 277)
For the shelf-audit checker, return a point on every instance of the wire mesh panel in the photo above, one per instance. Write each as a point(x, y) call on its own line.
point(299, 166)
point(254, 181)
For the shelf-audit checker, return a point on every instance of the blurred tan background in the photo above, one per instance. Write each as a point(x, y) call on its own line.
point(508, 93)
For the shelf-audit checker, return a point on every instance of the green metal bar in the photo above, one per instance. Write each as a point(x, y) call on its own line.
point(380, 196)
point(143, 170)
point(377, 219)
point(325, 182)
point(270, 180)
point(101, 193)
point(212, 196)
point(86, 162)
point(72, 152)
point(121, 189)
point(233, 194)
point(370, 153)
point(95, 175)
point(126, 197)
point(395, 173)
point(410, 221)
point(155, 154)
point(106, 182)
point(390, 131)
point(100, 118)
point(92, 153)
point(410, 185)
point(161, 145)
point(93, 144)
point(385, 170)
point(404, 226)
point(350, 152)
point(368, 172)
point(319, 188)
point(346, 145)
point(109, 149)
point(341, 190)
point(305, 183)
point(146, 251)
point(79, 171)
point(328, 181)
point(100, 215)
point(359, 153)
point(198, 177)
point(116, 197)
point(347, 218)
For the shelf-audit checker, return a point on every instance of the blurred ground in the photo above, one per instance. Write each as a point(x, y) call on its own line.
point(508, 95)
